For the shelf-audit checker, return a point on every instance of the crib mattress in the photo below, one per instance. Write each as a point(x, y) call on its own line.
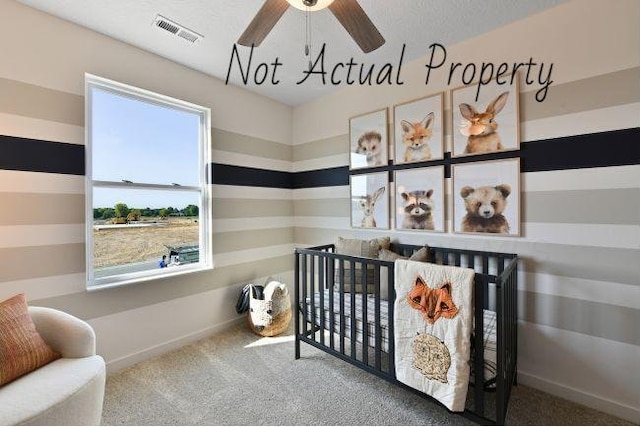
point(344, 304)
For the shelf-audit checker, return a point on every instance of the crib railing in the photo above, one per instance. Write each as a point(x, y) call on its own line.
point(361, 282)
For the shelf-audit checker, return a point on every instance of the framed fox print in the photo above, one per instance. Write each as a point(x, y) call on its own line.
point(489, 124)
point(486, 197)
point(370, 200)
point(418, 130)
point(420, 199)
point(368, 140)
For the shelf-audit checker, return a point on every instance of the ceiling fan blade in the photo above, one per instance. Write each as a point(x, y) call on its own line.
point(261, 24)
point(357, 23)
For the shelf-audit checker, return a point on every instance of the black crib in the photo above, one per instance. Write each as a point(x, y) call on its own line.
point(359, 333)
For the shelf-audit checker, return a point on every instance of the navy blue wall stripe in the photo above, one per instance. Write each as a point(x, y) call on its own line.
point(612, 148)
point(34, 155)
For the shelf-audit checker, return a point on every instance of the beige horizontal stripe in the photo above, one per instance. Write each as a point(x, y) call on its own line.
point(239, 240)
point(45, 287)
point(614, 206)
point(241, 224)
point(612, 322)
point(248, 161)
point(341, 191)
point(38, 208)
point(252, 255)
point(29, 100)
point(236, 143)
point(321, 148)
point(572, 207)
point(89, 305)
point(40, 182)
point(28, 127)
point(592, 263)
point(232, 208)
point(15, 236)
point(322, 207)
point(334, 161)
point(606, 90)
point(41, 261)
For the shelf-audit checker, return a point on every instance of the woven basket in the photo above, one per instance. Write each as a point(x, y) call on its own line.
point(270, 316)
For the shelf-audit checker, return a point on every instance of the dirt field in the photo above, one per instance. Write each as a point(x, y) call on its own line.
point(119, 246)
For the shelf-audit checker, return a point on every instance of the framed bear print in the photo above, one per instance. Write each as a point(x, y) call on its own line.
point(370, 200)
point(486, 197)
point(368, 140)
point(420, 199)
point(489, 123)
point(418, 130)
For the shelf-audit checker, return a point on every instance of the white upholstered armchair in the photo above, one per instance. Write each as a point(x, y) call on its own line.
point(67, 391)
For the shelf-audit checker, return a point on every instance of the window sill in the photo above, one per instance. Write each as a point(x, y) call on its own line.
point(133, 279)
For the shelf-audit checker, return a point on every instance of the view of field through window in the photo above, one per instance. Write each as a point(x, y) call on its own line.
point(146, 174)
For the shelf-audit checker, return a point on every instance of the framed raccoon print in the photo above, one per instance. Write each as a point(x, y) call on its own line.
point(419, 130)
point(420, 199)
point(489, 123)
point(368, 140)
point(370, 200)
point(486, 197)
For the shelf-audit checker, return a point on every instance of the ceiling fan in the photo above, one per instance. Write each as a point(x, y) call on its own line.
point(348, 12)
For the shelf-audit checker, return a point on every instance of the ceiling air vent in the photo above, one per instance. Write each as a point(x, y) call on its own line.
point(177, 29)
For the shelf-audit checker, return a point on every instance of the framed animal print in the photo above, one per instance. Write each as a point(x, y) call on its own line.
point(489, 124)
point(368, 140)
point(420, 199)
point(486, 197)
point(370, 200)
point(419, 130)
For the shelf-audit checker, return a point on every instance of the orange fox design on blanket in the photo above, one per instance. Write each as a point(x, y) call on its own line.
point(432, 303)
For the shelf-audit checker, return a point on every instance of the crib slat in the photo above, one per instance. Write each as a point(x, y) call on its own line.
point(365, 314)
point(390, 327)
point(321, 270)
point(352, 297)
point(479, 347)
point(342, 318)
point(331, 276)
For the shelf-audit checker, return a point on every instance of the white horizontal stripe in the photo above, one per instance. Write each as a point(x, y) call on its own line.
point(246, 160)
point(16, 236)
point(333, 161)
point(583, 289)
point(28, 127)
point(236, 192)
point(251, 255)
point(338, 192)
point(598, 235)
point(243, 224)
point(40, 182)
point(44, 287)
point(597, 369)
point(605, 178)
point(592, 121)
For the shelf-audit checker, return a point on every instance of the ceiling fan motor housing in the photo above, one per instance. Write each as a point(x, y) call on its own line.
point(309, 3)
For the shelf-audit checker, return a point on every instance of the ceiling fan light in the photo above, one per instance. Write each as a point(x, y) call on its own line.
point(299, 4)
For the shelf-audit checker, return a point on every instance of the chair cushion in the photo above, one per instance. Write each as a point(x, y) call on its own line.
point(23, 350)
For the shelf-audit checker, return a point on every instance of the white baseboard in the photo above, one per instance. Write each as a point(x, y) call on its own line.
point(592, 401)
point(133, 358)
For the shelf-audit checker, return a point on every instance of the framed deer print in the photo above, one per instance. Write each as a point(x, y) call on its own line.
point(368, 140)
point(418, 130)
point(485, 119)
point(370, 200)
point(420, 199)
point(486, 197)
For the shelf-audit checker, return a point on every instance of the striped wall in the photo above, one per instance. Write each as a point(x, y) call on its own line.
point(42, 221)
point(579, 288)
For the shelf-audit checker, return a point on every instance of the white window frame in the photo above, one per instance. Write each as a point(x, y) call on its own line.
point(205, 215)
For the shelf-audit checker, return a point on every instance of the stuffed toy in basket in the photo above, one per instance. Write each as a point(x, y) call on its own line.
point(271, 314)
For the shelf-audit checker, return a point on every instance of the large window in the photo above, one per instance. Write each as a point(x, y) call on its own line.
point(148, 202)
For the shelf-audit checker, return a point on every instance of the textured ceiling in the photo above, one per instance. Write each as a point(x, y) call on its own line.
point(416, 23)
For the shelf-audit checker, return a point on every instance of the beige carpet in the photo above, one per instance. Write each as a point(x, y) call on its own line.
point(239, 378)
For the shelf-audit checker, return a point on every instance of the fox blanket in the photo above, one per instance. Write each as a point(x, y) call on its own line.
point(433, 314)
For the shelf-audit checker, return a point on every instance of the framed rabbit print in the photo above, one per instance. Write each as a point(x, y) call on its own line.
point(418, 130)
point(368, 140)
point(486, 197)
point(420, 199)
point(370, 200)
point(489, 123)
